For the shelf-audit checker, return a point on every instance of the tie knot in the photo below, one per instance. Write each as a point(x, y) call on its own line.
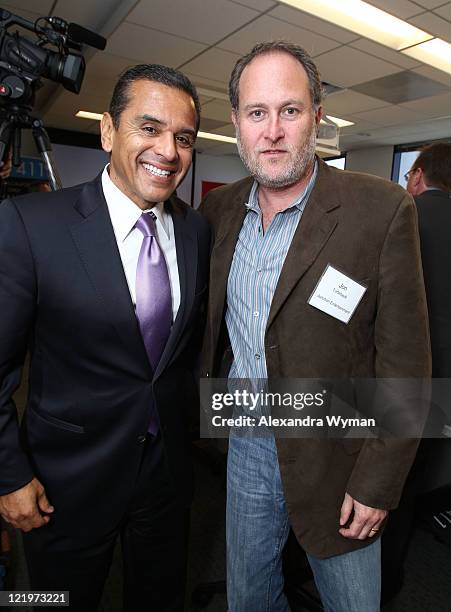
point(146, 224)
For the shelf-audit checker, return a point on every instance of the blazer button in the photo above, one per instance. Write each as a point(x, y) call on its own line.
point(141, 439)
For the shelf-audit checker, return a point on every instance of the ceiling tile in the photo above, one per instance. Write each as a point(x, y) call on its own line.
point(143, 44)
point(400, 8)
point(26, 14)
point(434, 74)
point(67, 104)
point(197, 20)
point(258, 5)
point(42, 7)
point(368, 46)
point(347, 66)
point(207, 125)
point(346, 103)
point(94, 102)
point(102, 73)
point(429, 4)
point(268, 28)
point(89, 14)
point(214, 64)
point(204, 82)
point(433, 24)
point(217, 109)
point(438, 106)
point(204, 99)
point(226, 130)
point(107, 67)
point(390, 115)
point(308, 22)
point(444, 11)
point(401, 87)
point(360, 126)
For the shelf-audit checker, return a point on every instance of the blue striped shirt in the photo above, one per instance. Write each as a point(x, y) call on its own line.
point(254, 273)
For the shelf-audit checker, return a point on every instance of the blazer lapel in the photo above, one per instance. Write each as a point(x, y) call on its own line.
point(96, 243)
point(222, 255)
point(187, 254)
point(317, 223)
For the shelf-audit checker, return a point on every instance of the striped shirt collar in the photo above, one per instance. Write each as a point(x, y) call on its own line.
point(299, 202)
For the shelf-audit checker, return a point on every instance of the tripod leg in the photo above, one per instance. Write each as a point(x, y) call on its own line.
point(17, 141)
point(6, 132)
point(44, 146)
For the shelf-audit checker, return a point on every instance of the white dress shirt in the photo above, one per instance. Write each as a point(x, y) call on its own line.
point(124, 214)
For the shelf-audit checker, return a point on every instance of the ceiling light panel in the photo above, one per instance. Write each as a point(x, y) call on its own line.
point(364, 19)
point(434, 52)
point(81, 114)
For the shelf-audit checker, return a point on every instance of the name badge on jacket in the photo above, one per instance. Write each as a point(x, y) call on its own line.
point(337, 294)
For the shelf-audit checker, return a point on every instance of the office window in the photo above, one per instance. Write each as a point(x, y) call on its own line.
point(337, 162)
point(404, 163)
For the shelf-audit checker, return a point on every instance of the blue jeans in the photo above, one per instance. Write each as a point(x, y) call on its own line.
point(257, 529)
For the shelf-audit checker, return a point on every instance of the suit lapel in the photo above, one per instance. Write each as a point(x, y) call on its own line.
point(96, 243)
point(187, 254)
point(317, 223)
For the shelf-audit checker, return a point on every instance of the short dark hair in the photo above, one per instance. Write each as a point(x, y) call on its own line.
point(435, 162)
point(149, 72)
point(278, 46)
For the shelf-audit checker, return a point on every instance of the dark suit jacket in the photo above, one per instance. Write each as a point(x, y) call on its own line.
point(434, 220)
point(367, 228)
point(63, 290)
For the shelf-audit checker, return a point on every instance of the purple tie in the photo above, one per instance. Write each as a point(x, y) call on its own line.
point(153, 295)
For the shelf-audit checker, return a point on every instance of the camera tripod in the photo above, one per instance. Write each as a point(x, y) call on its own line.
point(13, 120)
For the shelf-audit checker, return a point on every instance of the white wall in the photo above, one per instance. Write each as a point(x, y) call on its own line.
point(184, 189)
point(375, 160)
point(220, 169)
point(78, 164)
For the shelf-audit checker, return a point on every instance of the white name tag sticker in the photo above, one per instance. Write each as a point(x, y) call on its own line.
point(336, 294)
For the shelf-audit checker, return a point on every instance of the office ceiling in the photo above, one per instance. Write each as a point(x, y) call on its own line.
point(391, 98)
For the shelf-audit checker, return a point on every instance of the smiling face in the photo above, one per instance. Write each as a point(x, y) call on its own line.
point(152, 148)
point(276, 123)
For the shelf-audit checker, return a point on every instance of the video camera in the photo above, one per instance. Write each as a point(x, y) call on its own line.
point(23, 63)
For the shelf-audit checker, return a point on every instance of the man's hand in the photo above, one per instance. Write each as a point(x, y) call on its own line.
point(24, 508)
point(365, 523)
point(6, 166)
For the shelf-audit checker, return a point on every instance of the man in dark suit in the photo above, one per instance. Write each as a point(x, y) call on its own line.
point(429, 181)
point(277, 235)
point(105, 283)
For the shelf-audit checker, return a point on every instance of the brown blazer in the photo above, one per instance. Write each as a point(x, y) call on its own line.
point(367, 228)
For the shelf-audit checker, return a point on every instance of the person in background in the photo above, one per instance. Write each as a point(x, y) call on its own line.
point(429, 181)
point(106, 282)
point(276, 233)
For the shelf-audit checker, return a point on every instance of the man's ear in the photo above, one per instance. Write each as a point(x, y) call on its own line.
point(107, 132)
point(318, 116)
point(417, 177)
point(235, 118)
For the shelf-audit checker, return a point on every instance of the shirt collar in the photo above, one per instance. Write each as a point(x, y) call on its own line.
point(299, 202)
point(124, 213)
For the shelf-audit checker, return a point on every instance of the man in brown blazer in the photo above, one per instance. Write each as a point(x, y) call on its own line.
point(275, 236)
